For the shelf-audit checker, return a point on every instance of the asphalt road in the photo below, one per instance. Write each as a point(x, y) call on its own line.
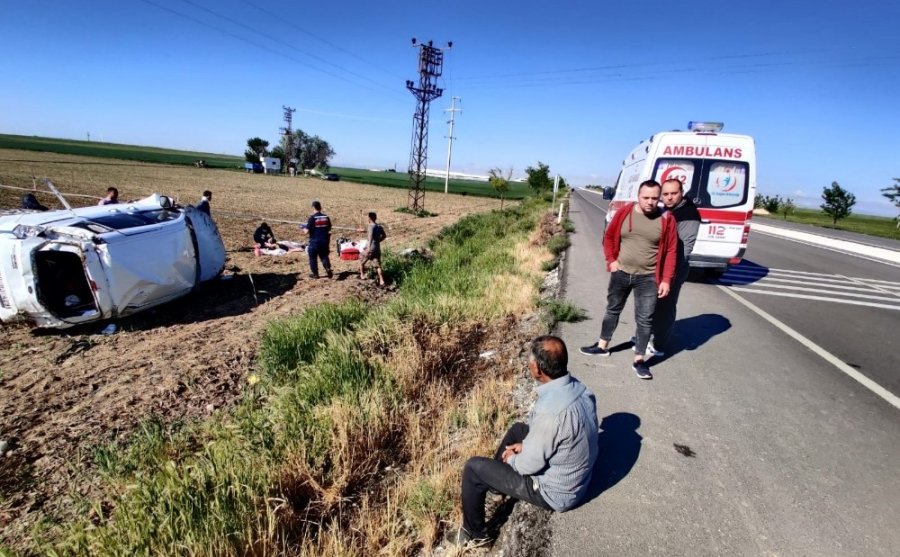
point(746, 442)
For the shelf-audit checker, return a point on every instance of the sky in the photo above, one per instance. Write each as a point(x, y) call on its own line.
point(573, 84)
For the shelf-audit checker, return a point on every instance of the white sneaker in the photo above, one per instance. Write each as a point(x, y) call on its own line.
point(651, 350)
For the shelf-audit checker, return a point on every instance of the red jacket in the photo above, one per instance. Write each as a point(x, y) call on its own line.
point(666, 255)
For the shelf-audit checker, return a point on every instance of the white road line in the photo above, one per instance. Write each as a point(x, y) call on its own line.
point(802, 289)
point(808, 297)
point(820, 246)
point(770, 280)
point(591, 202)
point(821, 352)
point(882, 289)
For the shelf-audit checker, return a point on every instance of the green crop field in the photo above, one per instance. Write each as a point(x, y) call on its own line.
point(884, 227)
point(117, 151)
point(517, 190)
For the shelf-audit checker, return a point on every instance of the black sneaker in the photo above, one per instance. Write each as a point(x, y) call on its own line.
point(313, 275)
point(329, 273)
point(642, 369)
point(594, 350)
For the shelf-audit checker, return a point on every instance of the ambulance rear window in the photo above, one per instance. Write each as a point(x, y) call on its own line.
point(715, 184)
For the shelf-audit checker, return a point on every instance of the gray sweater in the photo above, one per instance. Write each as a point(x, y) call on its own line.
point(561, 446)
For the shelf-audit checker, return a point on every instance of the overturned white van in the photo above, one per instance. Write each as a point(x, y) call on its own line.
point(67, 267)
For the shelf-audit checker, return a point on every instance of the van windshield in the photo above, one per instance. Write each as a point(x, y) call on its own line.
point(710, 183)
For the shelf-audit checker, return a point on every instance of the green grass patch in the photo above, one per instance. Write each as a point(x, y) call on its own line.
point(564, 312)
point(568, 226)
point(517, 190)
point(558, 244)
point(421, 213)
point(884, 227)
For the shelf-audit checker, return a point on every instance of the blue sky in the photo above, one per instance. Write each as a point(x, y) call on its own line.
point(573, 84)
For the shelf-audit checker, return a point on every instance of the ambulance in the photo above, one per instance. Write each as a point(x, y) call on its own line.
point(718, 171)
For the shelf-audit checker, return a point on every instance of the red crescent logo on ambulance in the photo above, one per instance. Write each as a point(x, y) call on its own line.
point(672, 170)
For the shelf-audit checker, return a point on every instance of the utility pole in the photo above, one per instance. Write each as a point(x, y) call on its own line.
point(431, 62)
point(288, 136)
point(452, 110)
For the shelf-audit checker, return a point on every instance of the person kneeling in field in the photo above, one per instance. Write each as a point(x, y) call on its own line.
point(373, 249)
point(547, 462)
point(264, 238)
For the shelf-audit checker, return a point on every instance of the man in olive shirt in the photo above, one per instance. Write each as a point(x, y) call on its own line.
point(640, 247)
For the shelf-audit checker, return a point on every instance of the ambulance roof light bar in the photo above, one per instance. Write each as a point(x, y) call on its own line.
point(705, 127)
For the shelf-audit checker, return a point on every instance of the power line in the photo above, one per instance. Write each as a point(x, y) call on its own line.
point(452, 110)
point(256, 44)
point(284, 43)
point(325, 41)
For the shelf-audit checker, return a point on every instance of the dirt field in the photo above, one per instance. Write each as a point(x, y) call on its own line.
point(63, 392)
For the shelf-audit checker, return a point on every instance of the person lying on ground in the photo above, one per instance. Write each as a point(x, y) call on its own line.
point(548, 461)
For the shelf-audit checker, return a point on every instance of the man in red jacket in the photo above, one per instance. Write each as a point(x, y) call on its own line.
point(640, 246)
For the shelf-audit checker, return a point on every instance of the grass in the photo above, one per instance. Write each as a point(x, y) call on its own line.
point(884, 227)
point(517, 190)
point(344, 395)
point(564, 312)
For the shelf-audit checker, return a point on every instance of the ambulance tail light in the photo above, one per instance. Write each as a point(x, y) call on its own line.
point(746, 235)
point(734, 261)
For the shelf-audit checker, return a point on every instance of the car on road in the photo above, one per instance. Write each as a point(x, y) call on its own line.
point(331, 177)
point(72, 266)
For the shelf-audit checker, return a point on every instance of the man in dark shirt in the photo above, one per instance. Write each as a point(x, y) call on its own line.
point(264, 238)
point(372, 254)
point(203, 204)
point(318, 227)
point(687, 219)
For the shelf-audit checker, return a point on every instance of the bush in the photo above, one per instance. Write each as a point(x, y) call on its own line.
point(558, 244)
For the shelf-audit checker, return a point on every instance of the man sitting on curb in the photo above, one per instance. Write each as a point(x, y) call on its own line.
point(547, 462)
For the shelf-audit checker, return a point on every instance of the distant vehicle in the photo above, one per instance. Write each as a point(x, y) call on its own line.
point(66, 267)
point(255, 167)
point(331, 177)
point(391, 170)
point(718, 171)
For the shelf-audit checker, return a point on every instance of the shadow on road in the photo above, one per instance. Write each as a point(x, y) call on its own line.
point(693, 332)
point(619, 445)
point(747, 272)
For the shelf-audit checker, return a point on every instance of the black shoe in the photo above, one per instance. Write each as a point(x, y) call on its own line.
point(461, 537)
point(313, 275)
point(642, 369)
point(594, 350)
point(329, 273)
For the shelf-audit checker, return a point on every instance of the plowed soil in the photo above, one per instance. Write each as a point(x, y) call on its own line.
point(64, 392)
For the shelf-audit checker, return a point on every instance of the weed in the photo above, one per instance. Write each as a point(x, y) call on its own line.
point(548, 266)
point(558, 244)
point(568, 226)
point(565, 312)
point(421, 213)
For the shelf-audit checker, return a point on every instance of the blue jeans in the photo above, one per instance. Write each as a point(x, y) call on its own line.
point(482, 474)
point(621, 284)
point(320, 250)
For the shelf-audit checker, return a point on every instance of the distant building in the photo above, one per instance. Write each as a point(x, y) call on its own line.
point(271, 165)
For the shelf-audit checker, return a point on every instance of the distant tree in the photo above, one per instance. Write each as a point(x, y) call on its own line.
point(539, 178)
point(500, 182)
point(893, 192)
point(311, 151)
point(771, 203)
point(256, 148)
point(787, 207)
point(838, 202)
point(757, 201)
point(277, 152)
